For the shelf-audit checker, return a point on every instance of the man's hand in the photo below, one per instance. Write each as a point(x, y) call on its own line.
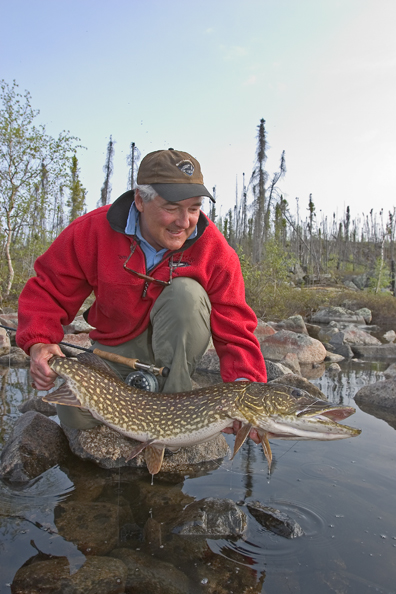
point(42, 374)
point(235, 428)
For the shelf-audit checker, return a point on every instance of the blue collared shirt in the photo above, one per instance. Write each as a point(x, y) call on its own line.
point(133, 228)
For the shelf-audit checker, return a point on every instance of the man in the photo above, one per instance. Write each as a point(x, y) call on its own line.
point(165, 281)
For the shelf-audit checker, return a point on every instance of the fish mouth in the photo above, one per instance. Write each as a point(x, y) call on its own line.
point(320, 425)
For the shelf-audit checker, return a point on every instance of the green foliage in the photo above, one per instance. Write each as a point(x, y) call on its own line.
point(76, 201)
point(266, 283)
point(381, 277)
point(33, 166)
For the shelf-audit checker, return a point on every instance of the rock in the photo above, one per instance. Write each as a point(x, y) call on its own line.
point(210, 361)
point(92, 526)
point(214, 518)
point(149, 576)
point(365, 313)
point(5, 345)
point(337, 314)
point(390, 371)
point(9, 319)
point(15, 358)
point(334, 368)
point(80, 340)
point(355, 336)
point(333, 357)
point(307, 349)
point(274, 520)
point(350, 285)
point(361, 281)
point(99, 575)
point(78, 325)
point(302, 383)
point(37, 404)
point(275, 370)
point(109, 449)
point(382, 351)
point(35, 445)
point(379, 400)
point(327, 333)
point(290, 361)
point(313, 371)
point(294, 324)
point(263, 329)
point(390, 335)
point(313, 330)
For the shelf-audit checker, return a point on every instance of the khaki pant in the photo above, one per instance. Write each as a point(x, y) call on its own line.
point(178, 336)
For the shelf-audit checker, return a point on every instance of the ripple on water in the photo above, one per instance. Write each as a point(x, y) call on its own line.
point(46, 491)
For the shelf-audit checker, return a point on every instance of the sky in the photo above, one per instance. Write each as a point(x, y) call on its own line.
point(199, 76)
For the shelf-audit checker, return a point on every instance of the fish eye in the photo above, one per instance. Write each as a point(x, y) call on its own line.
point(297, 393)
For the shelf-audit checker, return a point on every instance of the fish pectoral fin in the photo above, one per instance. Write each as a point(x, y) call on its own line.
point(63, 395)
point(267, 448)
point(138, 448)
point(241, 437)
point(154, 456)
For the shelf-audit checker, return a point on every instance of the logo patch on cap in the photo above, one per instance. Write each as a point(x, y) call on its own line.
point(186, 167)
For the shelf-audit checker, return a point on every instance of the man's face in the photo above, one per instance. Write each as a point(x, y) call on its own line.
point(167, 224)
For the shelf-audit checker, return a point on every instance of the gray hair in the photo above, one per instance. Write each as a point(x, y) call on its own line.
point(146, 192)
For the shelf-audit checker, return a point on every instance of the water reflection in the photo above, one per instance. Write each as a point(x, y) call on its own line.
point(340, 493)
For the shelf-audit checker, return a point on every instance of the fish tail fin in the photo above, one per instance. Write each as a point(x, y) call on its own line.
point(240, 438)
point(153, 456)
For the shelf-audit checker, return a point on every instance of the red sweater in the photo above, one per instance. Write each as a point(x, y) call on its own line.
point(89, 256)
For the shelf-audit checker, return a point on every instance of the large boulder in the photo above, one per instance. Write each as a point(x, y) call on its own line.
point(307, 349)
point(36, 444)
point(373, 352)
point(109, 449)
point(294, 324)
point(379, 400)
point(353, 335)
point(329, 314)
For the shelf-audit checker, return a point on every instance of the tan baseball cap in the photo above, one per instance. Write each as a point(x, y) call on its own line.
point(174, 175)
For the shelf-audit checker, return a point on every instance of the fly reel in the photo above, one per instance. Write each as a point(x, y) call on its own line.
point(143, 380)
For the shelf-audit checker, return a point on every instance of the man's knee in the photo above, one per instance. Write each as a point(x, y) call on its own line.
point(184, 301)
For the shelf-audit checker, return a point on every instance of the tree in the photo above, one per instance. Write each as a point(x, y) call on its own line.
point(105, 192)
point(76, 201)
point(133, 160)
point(32, 166)
point(259, 178)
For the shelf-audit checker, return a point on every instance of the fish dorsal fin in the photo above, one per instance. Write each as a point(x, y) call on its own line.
point(137, 449)
point(241, 437)
point(154, 456)
point(97, 364)
point(63, 395)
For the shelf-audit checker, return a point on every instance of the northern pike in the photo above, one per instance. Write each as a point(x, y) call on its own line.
point(184, 419)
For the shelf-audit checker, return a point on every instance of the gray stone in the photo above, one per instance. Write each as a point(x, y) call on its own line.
point(15, 358)
point(390, 335)
point(149, 576)
point(80, 340)
point(333, 357)
point(275, 370)
point(380, 352)
point(365, 312)
point(307, 349)
point(214, 518)
point(327, 333)
point(390, 372)
point(37, 404)
point(92, 526)
point(294, 324)
point(313, 330)
point(379, 400)
point(110, 449)
point(334, 368)
point(99, 575)
point(274, 520)
point(356, 336)
point(337, 314)
point(350, 285)
point(290, 361)
point(78, 325)
point(35, 445)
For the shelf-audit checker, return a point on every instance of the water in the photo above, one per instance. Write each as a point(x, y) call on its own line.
point(341, 493)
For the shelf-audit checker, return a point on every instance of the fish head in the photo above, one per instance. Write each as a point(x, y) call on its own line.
point(286, 412)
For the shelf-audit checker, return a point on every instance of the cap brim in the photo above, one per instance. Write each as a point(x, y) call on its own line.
point(178, 192)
